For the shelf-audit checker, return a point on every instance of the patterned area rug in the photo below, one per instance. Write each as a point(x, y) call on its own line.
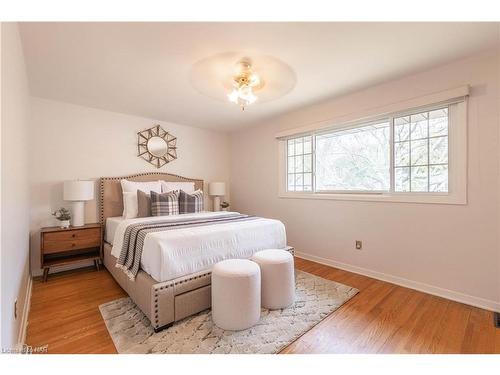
point(315, 299)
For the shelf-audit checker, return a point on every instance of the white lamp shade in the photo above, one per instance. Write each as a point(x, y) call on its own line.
point(80, 190)
point(217, 188)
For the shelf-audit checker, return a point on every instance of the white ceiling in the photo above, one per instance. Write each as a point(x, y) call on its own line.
point(144, 68)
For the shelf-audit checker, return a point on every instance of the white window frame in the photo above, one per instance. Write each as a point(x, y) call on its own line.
point(457, 161)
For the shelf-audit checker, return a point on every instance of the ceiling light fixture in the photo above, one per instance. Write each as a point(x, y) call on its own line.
point(244, 83)
point(232, 77)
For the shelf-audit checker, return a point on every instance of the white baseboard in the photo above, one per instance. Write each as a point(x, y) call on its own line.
point(21, 339)
point(422, 287)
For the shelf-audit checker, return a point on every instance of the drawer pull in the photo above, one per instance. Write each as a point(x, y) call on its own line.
point(73, 244)
point(73, 235)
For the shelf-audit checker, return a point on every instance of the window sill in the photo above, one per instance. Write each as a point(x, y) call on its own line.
point(394, 197)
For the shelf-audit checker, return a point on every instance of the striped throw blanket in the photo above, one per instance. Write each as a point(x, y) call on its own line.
point(130, 256)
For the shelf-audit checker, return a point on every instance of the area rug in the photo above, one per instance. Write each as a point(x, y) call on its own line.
point(315, 298)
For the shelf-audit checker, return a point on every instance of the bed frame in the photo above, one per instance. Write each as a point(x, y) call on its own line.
point(162, 302)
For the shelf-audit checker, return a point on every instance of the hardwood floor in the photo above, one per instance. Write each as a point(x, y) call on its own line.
point(64, 312)
point(382, 318)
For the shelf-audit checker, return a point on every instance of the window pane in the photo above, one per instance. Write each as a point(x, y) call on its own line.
point(299, 163)
point(418, 126)
point(402, 179)
point(354, 159)
point(299, 179)
point(438, 122)
point(438, 150)
point(291, 182)
point(307, 178)
point(402, 128)
point(419, 178)
point(299, 146)
point(291, 147)
point(307, 146)
point(307, 163)
point(438, 175)
point(291, 164)
point(402, 154)
point(419, 152)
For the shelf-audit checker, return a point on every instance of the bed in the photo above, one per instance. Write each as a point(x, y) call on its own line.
point(173, 280)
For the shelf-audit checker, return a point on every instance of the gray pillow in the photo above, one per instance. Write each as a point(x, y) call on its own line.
point(143, 204)
point(190, 203)
point(165, 203)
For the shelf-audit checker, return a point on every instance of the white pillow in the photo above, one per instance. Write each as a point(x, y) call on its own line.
point(167, 186)
point(130, 206)
point(129, 188)
point(133, 186)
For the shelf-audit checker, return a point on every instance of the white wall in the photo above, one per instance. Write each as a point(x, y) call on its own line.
point(70, 142)
point(15, 190)
point(450, 250)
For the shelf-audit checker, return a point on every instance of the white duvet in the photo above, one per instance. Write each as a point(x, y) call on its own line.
point(178, 252)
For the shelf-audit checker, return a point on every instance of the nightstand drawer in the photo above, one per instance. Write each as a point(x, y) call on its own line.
point(50, 247)
point(72, 235)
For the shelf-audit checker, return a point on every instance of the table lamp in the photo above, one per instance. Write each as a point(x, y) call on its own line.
point(217, 190)
point(78, 192)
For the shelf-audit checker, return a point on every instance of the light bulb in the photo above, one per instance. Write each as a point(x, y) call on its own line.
point(233, 96)
point(242, 96)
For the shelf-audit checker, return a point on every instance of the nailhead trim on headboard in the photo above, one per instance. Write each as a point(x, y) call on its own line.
point(102, 179)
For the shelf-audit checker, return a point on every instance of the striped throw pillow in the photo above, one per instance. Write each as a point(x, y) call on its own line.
point(189, 203)
point(165, 203)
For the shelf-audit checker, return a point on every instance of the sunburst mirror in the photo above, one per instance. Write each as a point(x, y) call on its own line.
point(156, 146)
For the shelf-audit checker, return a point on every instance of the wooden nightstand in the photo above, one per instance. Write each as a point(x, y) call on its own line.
point(60, 246)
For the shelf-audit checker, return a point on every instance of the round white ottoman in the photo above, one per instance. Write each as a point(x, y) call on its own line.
point(235, 294)
point(278, 279)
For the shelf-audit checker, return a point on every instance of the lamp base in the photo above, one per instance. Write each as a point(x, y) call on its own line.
point(77, 213)
point(216, 203)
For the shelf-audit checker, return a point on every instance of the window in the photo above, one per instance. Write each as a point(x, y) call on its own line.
point(421, 152)
point(356, 159)
point(401, 157)
point(299, 164)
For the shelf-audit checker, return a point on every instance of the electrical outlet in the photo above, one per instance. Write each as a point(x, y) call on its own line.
point(15, 309)
point(359, 245)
